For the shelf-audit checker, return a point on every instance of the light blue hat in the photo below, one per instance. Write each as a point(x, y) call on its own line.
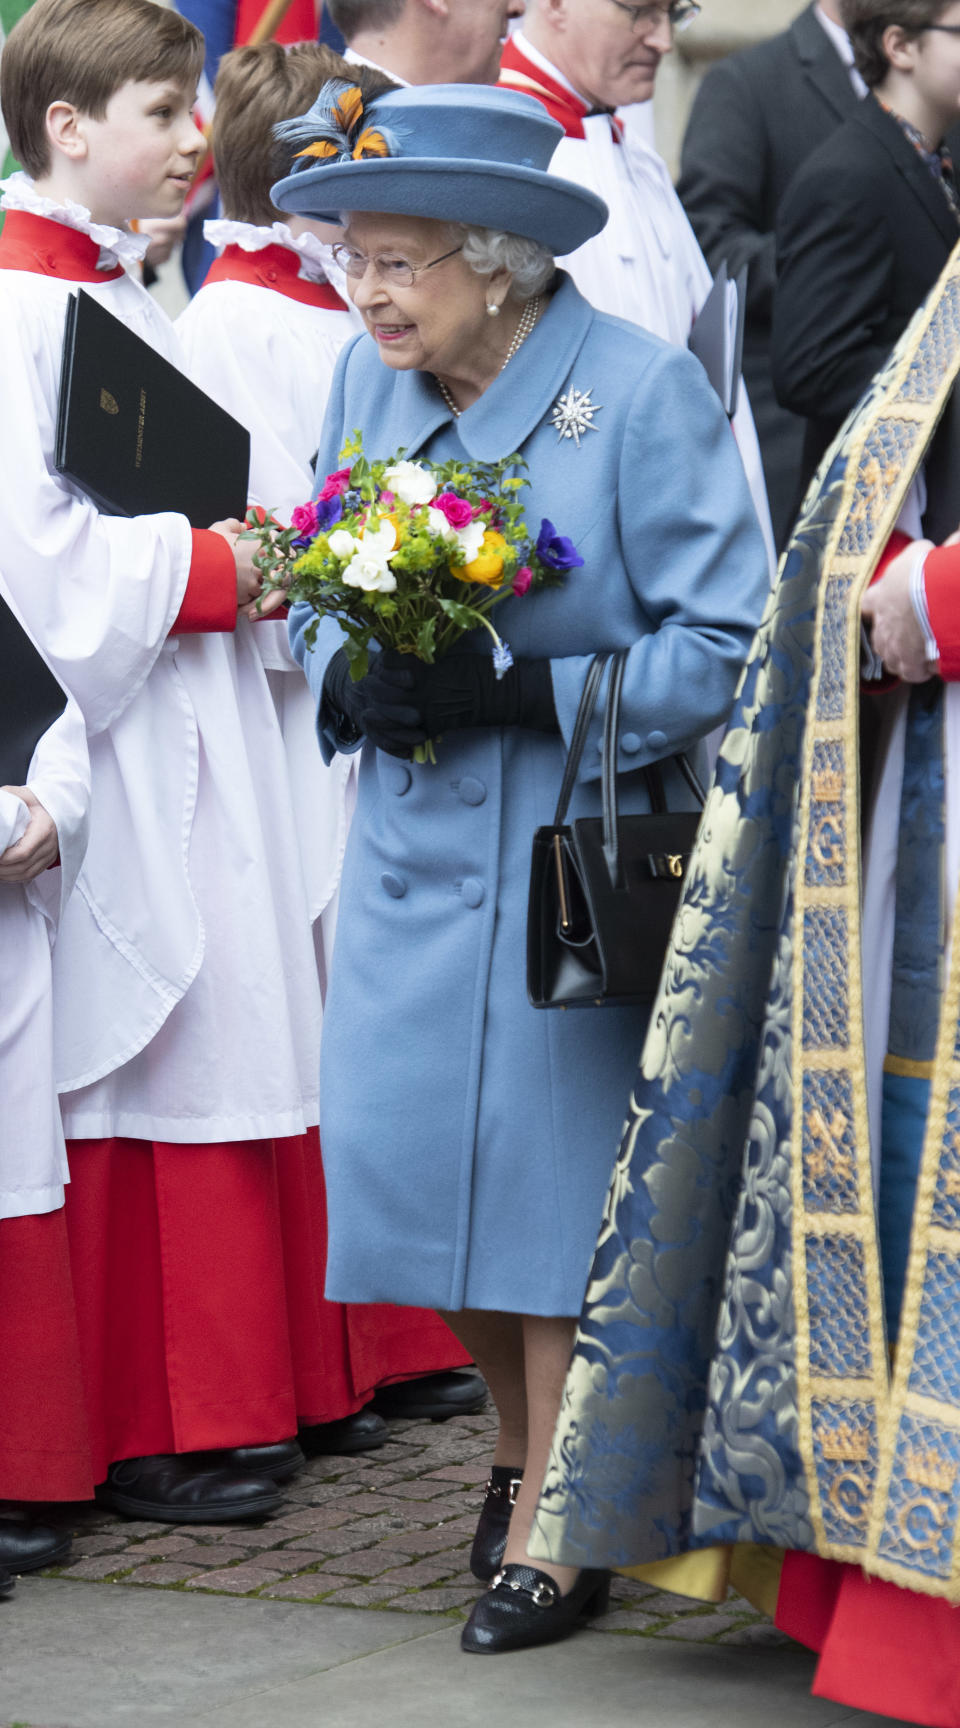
point(468, 153)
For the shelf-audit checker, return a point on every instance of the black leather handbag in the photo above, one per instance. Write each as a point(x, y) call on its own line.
point(604, 890)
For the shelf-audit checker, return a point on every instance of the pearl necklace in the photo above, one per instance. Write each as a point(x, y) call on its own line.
point(528, 318)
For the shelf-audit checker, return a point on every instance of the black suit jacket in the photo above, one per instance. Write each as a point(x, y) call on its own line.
point(864, 232)
point(757, 116)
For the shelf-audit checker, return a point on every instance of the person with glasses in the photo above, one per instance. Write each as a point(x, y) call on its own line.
point(467, 1136)
point(585, 60)
point(871, 217)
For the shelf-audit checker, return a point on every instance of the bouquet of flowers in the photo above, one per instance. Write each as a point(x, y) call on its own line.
point(411, 555)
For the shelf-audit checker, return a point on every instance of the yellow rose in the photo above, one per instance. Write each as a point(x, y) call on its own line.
point(487, 566)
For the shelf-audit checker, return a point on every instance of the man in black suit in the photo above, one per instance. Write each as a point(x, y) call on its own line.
point(758, 115)
point(871, 218)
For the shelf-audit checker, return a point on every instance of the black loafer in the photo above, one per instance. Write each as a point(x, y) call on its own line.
point(362, 1432)
point(28, 1547)
point(490, 1541)
point(524, 1607)
point(174, 1491)
point(8, 1584)
point(279, 1462)
point(459, 1392)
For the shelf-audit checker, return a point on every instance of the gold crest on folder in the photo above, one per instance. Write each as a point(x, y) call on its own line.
point(109, 403)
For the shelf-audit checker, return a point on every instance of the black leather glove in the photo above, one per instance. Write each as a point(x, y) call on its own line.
point(369, 707)
point(463, 690)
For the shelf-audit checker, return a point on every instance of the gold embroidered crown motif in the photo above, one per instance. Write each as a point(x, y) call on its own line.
point(828, 786)
point(928, 1470)
point(848, 1443)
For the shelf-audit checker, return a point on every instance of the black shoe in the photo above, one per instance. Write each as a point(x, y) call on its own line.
point(458, 1392)
point(174, 1491)
point(279, 1462)
point(28, 1547)
point(524, 1607)
point(362, 1432)
point(490, 1540)
point(8, 1584)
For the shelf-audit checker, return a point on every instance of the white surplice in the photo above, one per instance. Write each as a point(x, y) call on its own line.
point(33, 1165)
point(186, 997)
point(269, 360)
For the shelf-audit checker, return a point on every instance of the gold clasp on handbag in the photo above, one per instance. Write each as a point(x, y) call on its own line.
point(675, 863)
point(561, 883)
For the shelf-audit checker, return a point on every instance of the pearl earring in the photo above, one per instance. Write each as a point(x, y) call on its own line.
point(493, 311)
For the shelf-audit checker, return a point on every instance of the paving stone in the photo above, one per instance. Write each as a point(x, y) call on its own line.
point(164, 1572)
point(363, 1596)
point(297, 1559)
point(459, 1473)
point(663, 1603)
point(366, 1563)
point(98, 1566)
point(364, 1504)
point(238, 1580)
point(211, 1554)
point(419, 1490)
point(421, 1541)
point(296, 1589)
point(97, 1542)
point(159, 1547)
point(438, 1601)
point(759, 1633)
point(328, 1517)
point(128, 1527)
point(465, 1525)
point(428, 1571)
point(625, 1620)
point(698, 1628)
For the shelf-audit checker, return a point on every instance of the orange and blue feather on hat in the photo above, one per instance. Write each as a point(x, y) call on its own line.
point(334, 129)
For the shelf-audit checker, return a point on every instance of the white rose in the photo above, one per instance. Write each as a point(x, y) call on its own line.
point(372, 574)
point(437, 524)
point(379, 538)
point(411, 483)
point(471, 540)
point(342, 544)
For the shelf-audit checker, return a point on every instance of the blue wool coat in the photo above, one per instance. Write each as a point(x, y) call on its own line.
point(468, 1138)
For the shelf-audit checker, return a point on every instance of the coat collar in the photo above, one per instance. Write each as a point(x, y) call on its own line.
point(911, 165)
point(514, 404)
point(822, 64)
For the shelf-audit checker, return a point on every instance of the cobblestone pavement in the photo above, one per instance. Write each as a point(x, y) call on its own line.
point(388, 1529)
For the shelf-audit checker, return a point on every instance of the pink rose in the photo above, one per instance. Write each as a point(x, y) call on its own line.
point(334, 484)
point(389, 499)
point(522, 579)
point(458, 512)
point(304, 519)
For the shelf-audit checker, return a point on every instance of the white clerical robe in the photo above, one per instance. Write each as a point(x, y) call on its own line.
point(33, 1165)
point(186, 995)
point(269, 358)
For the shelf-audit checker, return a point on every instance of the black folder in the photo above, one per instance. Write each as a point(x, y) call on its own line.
point(30, 699)
point(717, 335)
point(135, 434)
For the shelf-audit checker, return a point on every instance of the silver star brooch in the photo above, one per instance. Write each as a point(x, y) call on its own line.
point(573, 415)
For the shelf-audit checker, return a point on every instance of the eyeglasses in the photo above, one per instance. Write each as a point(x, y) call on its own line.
point(947, 29)
point(395, 272)
point(679, 13)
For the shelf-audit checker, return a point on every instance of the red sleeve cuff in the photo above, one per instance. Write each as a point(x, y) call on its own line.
point(210, 598)
point(942, 583)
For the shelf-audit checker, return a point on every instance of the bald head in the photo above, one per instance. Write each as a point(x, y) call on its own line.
point(428, 41)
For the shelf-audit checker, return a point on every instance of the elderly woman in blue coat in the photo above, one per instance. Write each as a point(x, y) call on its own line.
point(468, 1139)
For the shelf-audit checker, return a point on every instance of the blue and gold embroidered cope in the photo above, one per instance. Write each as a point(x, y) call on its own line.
point(731, 1376)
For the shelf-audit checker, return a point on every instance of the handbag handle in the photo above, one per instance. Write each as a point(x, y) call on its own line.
point(608, 771)
point(581, 726)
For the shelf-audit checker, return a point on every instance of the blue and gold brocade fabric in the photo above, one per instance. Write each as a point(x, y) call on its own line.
point(730, 1380)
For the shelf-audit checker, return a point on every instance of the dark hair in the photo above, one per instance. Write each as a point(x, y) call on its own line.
point(83, 52)
point(866, 21)
point(349, 16)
